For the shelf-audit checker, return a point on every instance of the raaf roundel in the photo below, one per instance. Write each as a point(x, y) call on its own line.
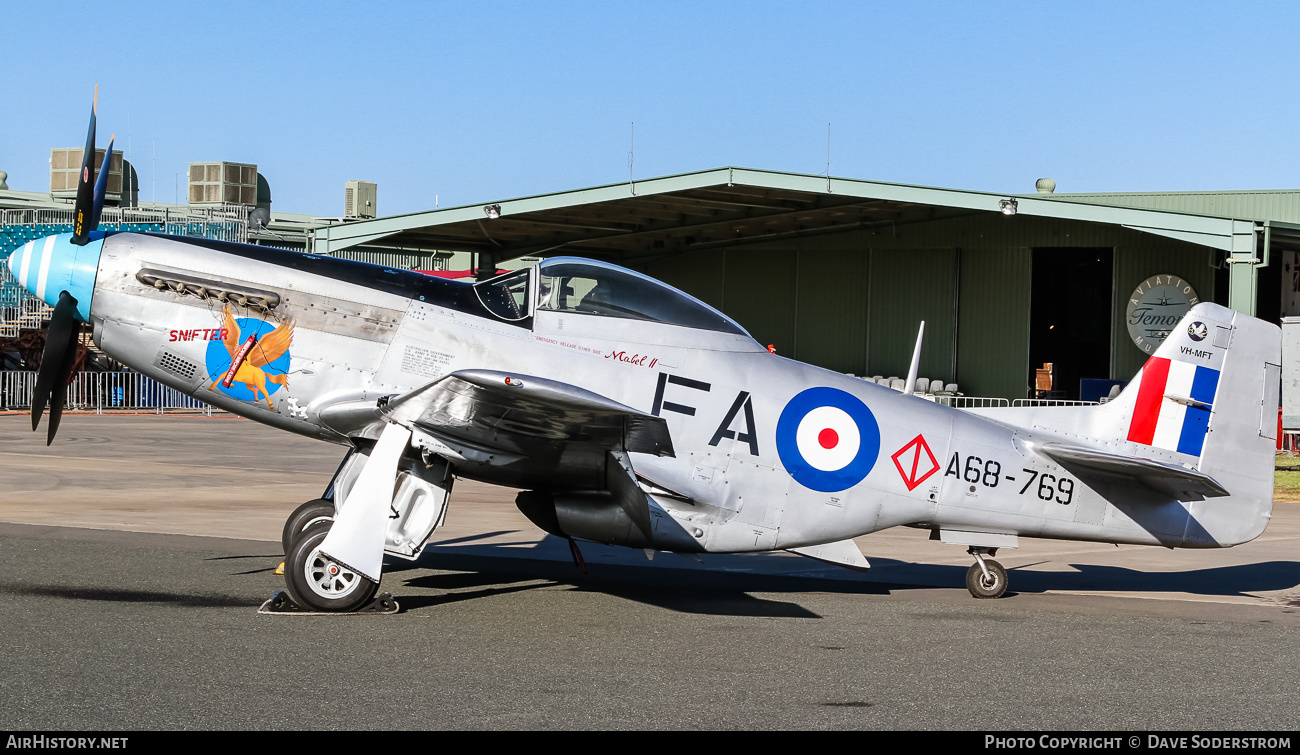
point(828, 439)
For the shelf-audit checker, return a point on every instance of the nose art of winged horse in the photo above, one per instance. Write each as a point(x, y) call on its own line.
point(251, 357)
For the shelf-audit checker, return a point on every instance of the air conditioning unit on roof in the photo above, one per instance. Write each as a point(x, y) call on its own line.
point(65, 171)
point(360, 199)
point(222, 182)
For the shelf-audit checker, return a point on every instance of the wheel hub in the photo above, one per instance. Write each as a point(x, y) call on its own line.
point(328, 578)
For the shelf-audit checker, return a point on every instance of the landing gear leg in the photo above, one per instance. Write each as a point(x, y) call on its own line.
point(336, 565)
point(986, 578)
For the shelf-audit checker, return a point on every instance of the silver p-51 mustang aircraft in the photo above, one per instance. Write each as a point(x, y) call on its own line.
point(634, 414)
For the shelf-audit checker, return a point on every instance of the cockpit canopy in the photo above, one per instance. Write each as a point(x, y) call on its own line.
point(568, 284)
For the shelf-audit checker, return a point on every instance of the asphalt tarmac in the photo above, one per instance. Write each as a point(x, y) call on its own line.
point(120, 609)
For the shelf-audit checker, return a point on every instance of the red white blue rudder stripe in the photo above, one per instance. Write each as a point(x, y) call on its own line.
point(1173, 406)
point(828, 439)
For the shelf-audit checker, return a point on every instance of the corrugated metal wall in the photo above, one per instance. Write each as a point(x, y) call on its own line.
point(993, 322)
point(851, 301)
point(906, 287)
point(760, 293)
point(402, 260)
point(832, 314)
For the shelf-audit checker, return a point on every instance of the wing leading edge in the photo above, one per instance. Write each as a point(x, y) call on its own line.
point(522, 413)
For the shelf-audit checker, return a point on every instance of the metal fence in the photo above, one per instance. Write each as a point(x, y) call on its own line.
point(226, 222)
point(1050, 402)
point(103, 391)
point(18, 309)
point(971, 402)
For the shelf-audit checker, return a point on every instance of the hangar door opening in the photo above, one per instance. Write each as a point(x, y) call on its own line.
point(1069, 321)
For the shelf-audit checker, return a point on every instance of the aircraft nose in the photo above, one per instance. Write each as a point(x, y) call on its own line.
point(54, 264)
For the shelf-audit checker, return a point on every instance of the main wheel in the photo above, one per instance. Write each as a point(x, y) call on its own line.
point(992, 586)
point(319, 583)
point(311, 512)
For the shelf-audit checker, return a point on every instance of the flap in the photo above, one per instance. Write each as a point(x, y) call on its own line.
point(520, 413)
point(1172, 480)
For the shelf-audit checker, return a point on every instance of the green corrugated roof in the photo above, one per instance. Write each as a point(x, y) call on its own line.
point(1268, 204)
point(731, 205)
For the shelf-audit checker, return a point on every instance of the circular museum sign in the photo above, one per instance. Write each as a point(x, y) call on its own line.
point(1155, 307)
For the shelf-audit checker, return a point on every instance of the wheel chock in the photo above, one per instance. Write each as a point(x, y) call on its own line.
point(281, 603)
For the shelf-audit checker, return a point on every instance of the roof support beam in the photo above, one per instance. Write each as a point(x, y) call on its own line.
point(1243, 270)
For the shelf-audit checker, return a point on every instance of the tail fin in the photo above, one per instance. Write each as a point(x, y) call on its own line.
point(1208, 400)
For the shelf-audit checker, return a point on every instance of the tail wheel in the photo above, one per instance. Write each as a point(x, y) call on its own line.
point(311, 512)
point(992, 585)
point(317, 582)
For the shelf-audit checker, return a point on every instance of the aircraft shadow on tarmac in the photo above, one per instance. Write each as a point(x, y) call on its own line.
point(1240, 579)
point(716, 601)
point(108, 595)
point(722, 584)
point(1236, 580)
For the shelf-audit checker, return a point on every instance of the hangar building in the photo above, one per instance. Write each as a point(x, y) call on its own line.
point(839, 272)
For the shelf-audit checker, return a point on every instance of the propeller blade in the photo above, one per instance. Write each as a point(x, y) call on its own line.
point(81, 225)
point(60, 347)
point(101, 186)
point(59, 392)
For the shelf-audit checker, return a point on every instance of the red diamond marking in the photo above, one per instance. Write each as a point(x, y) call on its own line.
point(915, 462)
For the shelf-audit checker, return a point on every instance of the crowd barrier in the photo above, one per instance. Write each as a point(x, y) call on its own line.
point(970, 402)
point(103, 391)
point(984, 402)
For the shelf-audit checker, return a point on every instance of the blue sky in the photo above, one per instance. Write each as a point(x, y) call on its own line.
point(478, 101)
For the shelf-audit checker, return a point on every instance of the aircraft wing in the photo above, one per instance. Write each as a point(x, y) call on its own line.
point(522, 414)
point(1178, 482)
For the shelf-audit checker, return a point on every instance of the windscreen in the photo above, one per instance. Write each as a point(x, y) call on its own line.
point(589, 288)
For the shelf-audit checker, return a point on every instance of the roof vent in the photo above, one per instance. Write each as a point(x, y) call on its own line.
point(1045, 185)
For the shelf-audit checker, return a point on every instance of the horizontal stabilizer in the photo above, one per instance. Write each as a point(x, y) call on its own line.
point(841, 553)
point(1172, 480)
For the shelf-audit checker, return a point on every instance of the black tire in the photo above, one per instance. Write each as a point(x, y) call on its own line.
point(307, 575)
point(311, 512)
point(992, 587)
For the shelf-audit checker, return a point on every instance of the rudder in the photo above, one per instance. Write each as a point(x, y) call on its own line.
point(1208, 399)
